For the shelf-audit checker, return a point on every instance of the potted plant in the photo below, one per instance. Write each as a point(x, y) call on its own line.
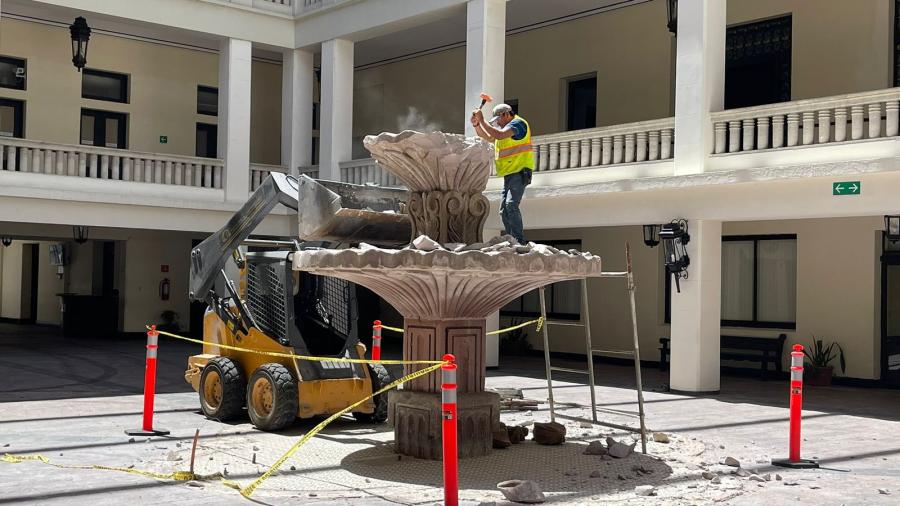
point(820, 357)
point(515, 342)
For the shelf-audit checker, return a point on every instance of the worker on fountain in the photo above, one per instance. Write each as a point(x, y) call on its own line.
point(513, 158)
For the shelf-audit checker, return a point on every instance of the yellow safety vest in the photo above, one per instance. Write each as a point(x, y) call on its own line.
point(511, 156)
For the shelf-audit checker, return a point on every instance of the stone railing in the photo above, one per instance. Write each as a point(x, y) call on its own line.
point(364, 171)
point(645, 141)
point(311, 171)
point(259, 172)
point(842, 118)
point(19, 155)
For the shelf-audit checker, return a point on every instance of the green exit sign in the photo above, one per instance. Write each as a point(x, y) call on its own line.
point(163, 139)
point(846, 188)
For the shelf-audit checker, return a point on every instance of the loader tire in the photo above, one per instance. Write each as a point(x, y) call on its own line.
point(222, 389)
point(380, 378)
point(272, 397)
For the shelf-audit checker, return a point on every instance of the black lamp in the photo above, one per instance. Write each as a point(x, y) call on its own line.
point(651, 235)
point(81, 34)
point(675, 237)
point(672, 16)
point(80, 232)
point(892, 227)
point(6, 240)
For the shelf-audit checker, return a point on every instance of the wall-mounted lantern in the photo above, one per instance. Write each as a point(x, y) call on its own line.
point(675, 237)
point(80, 233)
point(892, 227)
point(672, 16)
point(81, 34)
point(651, 235)
point(6, 240)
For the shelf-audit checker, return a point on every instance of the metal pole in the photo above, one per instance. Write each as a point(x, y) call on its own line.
point(586, 317)
point(547, 355)
point(637, 348)
point(448, 425)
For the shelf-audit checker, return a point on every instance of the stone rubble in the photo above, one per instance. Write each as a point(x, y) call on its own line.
point(661, 437)
point(522, 491)
point(619, 450)
point(731, 461)
point(500, 243)
point(645, 490)
point(595, 448)
point(550, 433)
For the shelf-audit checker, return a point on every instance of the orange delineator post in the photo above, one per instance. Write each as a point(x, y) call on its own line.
point(149, 388)
point(376, 340)
point(448, 422)
point(796, 411)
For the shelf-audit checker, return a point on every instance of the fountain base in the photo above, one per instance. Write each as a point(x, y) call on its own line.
point(416, 418)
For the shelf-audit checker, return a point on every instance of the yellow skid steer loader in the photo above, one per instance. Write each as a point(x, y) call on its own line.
point(273, 309)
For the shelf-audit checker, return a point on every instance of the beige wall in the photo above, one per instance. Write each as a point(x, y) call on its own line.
point(144, 253)
point(11, 302)
point(838, 289)
point(163, 84)
point(837, 46)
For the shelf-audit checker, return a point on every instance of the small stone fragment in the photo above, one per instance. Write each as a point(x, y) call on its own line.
point(130, 440)
point(516, 434)
point(596, 474)
point(425, 243)
point(173, 456)
point(743, 473)
point(756, 477)
point(550, 433)
point(692, 485)
point(708, 475)
point(255, 448)
point(196, 484)
point(475, 246)
point(645, 490)
point(716, 480)
point(178, 445)
point(210, 457)
point(293, 468)
point(731, 461)
point(253, 460)
point(778, 477)
point(767, 476)
point(790, 483)
point(814, 487)
point(660, 437)
point(721, 447)
point(523, 491)
point(500, 436)
point(454, 246)
point(621, 478)
point(585, 425)
point(595, 448)
point(619, 450)
point(884, 491)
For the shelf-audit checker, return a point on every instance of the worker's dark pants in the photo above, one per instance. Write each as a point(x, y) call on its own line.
point(513, 191)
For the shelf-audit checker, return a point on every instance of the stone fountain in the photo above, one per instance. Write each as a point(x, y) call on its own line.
point(447, 282)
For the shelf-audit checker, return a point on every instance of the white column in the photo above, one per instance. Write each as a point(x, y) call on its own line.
point(336, 129)
point(485, 54)
point(297, 79)
point(234, 116)
point(696, 312)
point(699, 81)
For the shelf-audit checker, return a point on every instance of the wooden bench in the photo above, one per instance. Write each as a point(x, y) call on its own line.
point(764, 350)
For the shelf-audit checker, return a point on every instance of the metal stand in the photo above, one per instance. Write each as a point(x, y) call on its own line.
point(590, 351)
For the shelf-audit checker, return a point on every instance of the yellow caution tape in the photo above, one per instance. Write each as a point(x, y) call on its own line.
point(539, 321)
point(248, 490)
point(177, 475)
point(301, 357)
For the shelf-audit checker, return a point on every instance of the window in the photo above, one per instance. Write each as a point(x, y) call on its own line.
point(207, 140)
point(103, 128)
point(581, 103)
point(12, 118)
point(207, 100)
point(759, 281)
point(12, 73)
point(100, 85)
point(758, 63)
point(563, 299)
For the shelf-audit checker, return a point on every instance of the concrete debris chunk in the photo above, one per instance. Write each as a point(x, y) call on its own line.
point(595, 448)
point(619, 450)
point(475, 246)
point(756, 477)
point(131, 440)
point(743, 473)
point(660, 437)
point(454, 246)
point(621, 478)
point(500, 436)
point(522, 491)
point(523, 249)
point(716, 480)
point(596, 474)
point(516, 434)
point(731, 461)
point(708, 475)
point(778, 477)
point(585, 425)
point(425, 243)
point(884, 491)
point(767, 476)
point(366, 246)
point(645, 490)
point(550, 433)
point(173, 456)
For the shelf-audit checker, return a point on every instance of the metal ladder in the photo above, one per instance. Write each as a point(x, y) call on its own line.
point(590, 351)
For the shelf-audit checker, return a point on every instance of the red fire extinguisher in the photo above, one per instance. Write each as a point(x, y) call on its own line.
point(164, 289)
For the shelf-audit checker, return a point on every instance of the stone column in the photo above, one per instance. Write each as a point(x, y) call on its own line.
point(234, 116)
point(336, 129)
point(485, 54)
point(296, 109)
point(699, 81)
point(696, 312)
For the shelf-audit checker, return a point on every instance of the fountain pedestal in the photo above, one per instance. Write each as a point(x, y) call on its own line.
point(445, 296)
